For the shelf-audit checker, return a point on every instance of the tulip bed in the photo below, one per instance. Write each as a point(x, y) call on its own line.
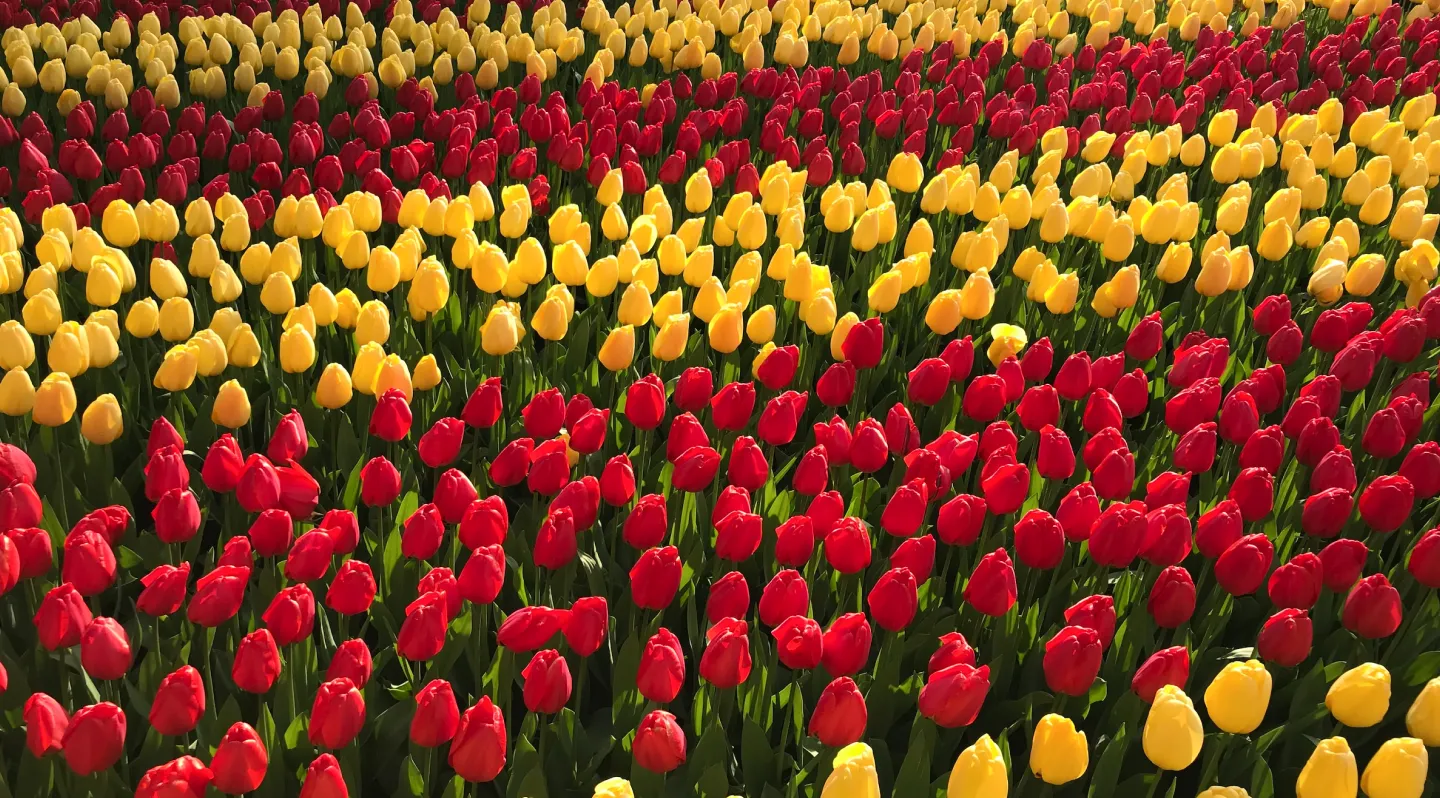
point(832, 399)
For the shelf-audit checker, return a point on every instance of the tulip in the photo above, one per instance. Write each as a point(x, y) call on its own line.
point(1173, 734)
point(1330, 771)
point(105, 649)
point(337, 715)
point(1372, 609)
point(840, 715)
point(1397, 770)
point(1169, 666)
point(1059, 754)
point(1239, 696)
point(94, 739)
point(1361, 696)
point(1422, 720)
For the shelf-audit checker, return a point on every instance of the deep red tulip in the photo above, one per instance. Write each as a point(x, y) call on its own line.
point(224, 465)
point(437, 716)
point(1254, 492)
point(729, 598)
point(655, 578)
point(379, 482)
point(1118, 535)
point(1386, 502)
point(289, 440)
point(952, 696)
point(544, 414)
point(929, 381)
point(218, 595)
point(94, 739)
point(840, 715)
point(352, 590)
point(659, 744)
point(1094, 612)
point(1341, 563)
point(732, 407)
point(984, 398)
point(864, 345)
point(337, 715)
point(185, 777)
point(1372, 608)
point(240, 761)
point(1297, 583)
point(272, 534)
point(1172, 599)
point(547, 682)
point(645, 402)
point(1195, 451)
point(661, 673)
point(485, 405)
point(1242, 568)
point(105, 649)
point(179, 703)
point(1146, 339)
point(1078, 512)
point(696, 469)
point(1285, 638)
point(846, 645)
point(848, 548)
point(893, 600)
point(645, 526)
point(291, 615)
point(440, 445)
point(1167, 666)
point(477, 751)
point(1072, 660)
point(391, 418)
point(694, 389)
point(778, 368)
point(351, 661)
point(1039, 540)
point(991, 588)
point(588, 625)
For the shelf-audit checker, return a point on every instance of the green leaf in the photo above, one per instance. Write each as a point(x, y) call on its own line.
point(1107, 770)
point(714, 783)
point(757, 756)
point(414, 782)
point(1423, 668)
point(914, 775)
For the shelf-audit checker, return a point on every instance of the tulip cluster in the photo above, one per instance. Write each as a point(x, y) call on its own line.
point(567, 398)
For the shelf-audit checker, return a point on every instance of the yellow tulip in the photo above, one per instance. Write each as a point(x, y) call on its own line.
point(979, 772)
point(278, 294)
point(1275, 240)
point(726, 329)
point(884, 293)
point(672, 338)
point(119, 225)
point(1221, 130)
point(550, 320)
point(614, 788)
point(1238, 697)
point(17, 348)
point(297, 350)
point(1365, 274)
point(1361, 696)
point(372, 323)
point(1097, 147)
point(177, 319)
point(210, 355)
point(502, 330)
point(853, 775)
point(393, 375)
point(54, 400)
point(760, 327)
point(1376, 208)
point(177, 370)
point(101, 343)
point(1422, 720)
point(69, 350)
point(1007, 341)
point(42, 313)
point(1214, 277)
point(1119, 241)
point(698, 192)
point(17, 392)
point(905, 173)
point(752, 231)
point(232, 406)
point(430, 290)
point(1224, 792)
point(943, 314)
point(1060, 297)
point(334, 390)
point(1059, 753)
point(618, 350)
point(977, 296)
point(1330, 772)
point(427, 373)
point(1173, 734)
point(143, 318)
point(1398, 769)
point(101, 423)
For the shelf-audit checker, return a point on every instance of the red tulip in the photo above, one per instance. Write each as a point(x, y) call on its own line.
point(1285, 638)
point(1195, 452)
point(547, 682)
point(893, 600)
point(1336, 469)
point(952, 696)
point(837, 385)
point(1146, 339)
point(1172, 598)
point(1167, 666)
point(477, 751)
point(1007, 488)
point(694, 389)
point(1072, 660)
point(218, 595)
point(659, 744)
point(645, 526)
point(544, 415)
point(1341, 563)
point(289, 441)
point(165, 471)
point(1243, 567)
point(1372, 609)
point(224, 465)
point(94, 739)
point(991, 588)
point(379, 482)
point(696, 469)
point(1386, 502)
point(1039, 540)
point(732, 406)
point(905, 511)
point(485, 522)
point(453, 495)
point(555, 543)
point(1094, 612)
point(105, 649)
point(1296, 583)
point(291, 615)
point(661, 672)
point(391, 418)
point(45, 724)
point(179, 703)
point(655, 578)
point(1424, 562)
point(645, 402)
point(846, 645)
point(485, 405)
point(257, 662)
point(343, 528)
point(422, 633)
point(29, 554)
point(272, 533)
point(848, 546)
point(864, 345)
point(917, 555)
point(929, 381)
point(337, 715)
point(185, 777)
point(88, 563)
point(352, 590)
point(748, 468)
point(778, 367)
point(1271, 314)
point(1118, 535)
point(437, 716)
point(781, 418)
point(324, 779)
point(840, 715)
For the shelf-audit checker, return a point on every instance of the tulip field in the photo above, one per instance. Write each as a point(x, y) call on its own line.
point(764, 398)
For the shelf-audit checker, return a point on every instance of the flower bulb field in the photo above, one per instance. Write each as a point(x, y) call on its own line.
point(719, 398)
